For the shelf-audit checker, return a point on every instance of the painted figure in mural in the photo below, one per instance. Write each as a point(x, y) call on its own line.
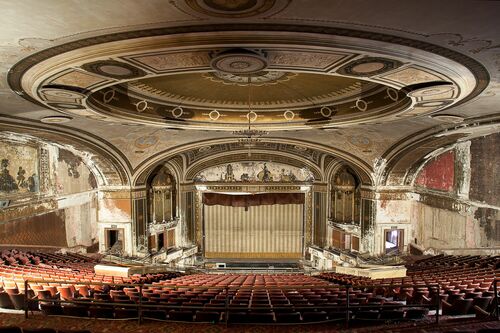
point(7, 182)
point(245, 177)
point(21, 178)
point(265, 175)
point(287, 177)
point(229, 177)
point(33, 183)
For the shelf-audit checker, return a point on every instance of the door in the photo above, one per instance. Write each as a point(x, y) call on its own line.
point(114, 239)
point(394, 241)
point(161, 241)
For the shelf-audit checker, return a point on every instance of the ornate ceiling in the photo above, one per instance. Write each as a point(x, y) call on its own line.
point(164, 79)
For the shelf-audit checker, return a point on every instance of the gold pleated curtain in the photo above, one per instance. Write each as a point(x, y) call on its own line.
point(255, 232)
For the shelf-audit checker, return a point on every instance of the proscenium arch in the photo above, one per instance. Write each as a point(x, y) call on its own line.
point(363, 169)
point(113, 167)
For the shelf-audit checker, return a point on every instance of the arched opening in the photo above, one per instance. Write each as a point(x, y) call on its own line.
point(162, 211)
point(346, 211)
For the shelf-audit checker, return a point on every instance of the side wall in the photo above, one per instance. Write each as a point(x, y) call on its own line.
point(454, 206)
point(48, 196)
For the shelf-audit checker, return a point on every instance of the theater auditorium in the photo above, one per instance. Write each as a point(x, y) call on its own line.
point(249, 166)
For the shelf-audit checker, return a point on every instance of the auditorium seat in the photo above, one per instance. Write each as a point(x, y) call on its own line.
point(287, 317)
point(5, 301)
point(39, 330)
point(100, 312)
point(313, 316)
point(10, 329)
point(207, 316)
point(261, 317)
point(154, 314)
point(459, 307)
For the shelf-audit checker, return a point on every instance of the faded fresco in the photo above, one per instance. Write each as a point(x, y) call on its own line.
point(72, 175)
point(265, 172)
point(18, 169)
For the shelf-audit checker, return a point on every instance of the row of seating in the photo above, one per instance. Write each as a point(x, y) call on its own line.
point(17, 329)
point(465, 283)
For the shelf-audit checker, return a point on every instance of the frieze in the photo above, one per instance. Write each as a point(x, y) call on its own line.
point(367, 194)
point(442, 202)
point(27, 209)
point(140, 194)
point(116, 194)
point(251, 188)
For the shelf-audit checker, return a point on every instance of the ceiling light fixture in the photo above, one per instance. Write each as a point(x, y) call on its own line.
point(250, 136)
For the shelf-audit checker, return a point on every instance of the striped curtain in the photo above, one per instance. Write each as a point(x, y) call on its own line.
point(266, 231)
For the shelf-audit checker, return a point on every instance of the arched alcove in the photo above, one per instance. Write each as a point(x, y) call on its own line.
point(162, 209)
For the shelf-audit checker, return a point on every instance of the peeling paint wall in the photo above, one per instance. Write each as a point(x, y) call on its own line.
point(468, 215)
point(485, 170)
point(54, 204)
point(438, 173)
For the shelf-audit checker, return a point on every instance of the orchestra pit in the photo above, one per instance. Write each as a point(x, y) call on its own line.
point(249, 166)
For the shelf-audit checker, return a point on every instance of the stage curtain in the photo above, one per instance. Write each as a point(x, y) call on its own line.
point(211, 199)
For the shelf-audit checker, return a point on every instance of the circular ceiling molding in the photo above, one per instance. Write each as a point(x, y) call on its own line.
point(114, 69)
point(448, 118)
point(256, 79)
point(288, 68)
point(238, 62)
point(231, 9)
point(369, 66)
point(61, 93)
point(56, 119)
point(429, 89)
point(67, 106)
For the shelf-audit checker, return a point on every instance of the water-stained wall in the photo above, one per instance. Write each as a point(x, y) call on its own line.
point(48, 195)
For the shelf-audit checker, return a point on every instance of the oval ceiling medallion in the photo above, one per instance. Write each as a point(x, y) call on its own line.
point(430, 89)
point(56, 119)
point(231, 8)
point(114, 69)
point(239, 62)
point(369, 66)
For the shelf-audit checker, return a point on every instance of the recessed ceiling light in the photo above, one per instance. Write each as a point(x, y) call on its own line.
point(56, 119)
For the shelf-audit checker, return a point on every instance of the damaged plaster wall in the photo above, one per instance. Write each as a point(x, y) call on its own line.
point(39, 180)
point(467, 214)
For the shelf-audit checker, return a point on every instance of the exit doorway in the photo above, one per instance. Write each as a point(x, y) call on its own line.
point(394, 241)
point(114, 239)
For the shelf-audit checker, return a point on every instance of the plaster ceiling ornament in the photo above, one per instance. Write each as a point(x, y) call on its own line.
point(448, 118)
point(301, 76)
point(239, 62)
point(369, 66)
point(231, 8)
point(114, 69)
point(56, 119)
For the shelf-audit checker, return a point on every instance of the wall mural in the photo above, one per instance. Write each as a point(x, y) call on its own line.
point(255, 172)
point(71, 174)
point(19, 169)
